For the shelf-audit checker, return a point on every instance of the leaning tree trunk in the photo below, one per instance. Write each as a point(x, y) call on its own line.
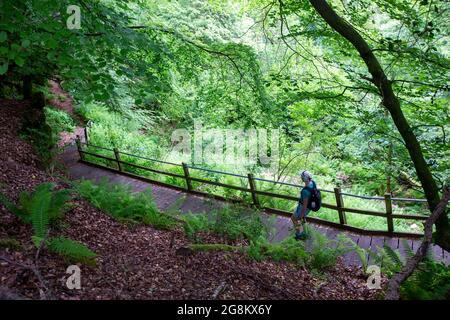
point(393, 290)
point(392, 104)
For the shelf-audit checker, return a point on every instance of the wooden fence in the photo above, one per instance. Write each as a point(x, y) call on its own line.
point(252, 189)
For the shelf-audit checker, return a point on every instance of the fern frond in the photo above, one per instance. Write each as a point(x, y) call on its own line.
point(362, 255)
point(394, 256)
point(408, 250)
point(40, 205)
point(60, 199)
point(11, 206)
point(72, 250)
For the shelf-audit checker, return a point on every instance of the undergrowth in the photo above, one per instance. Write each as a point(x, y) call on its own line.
point(121, 203)
point(58, 120)
point(317, 253)
point(429, 281)
point(232, 222)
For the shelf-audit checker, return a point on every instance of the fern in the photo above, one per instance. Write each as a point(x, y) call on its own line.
point(121, 203)
point(408, 250)
point(44, 200)
point(195, 223)
point(12, 207)
point(59, 202)
point(72, 251)
point(430, 281)
point(394, 256)
point(40, 206)
point(363, 257)
point(317, 253)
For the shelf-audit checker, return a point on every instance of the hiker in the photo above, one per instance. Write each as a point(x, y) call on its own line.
point(309, 199)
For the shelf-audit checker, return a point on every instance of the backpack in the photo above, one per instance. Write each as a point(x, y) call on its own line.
point(315, 202)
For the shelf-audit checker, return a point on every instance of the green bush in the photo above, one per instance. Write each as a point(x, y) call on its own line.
point(121, 203)
point(430, 281)
point(228, 221)
point(317, 253)
point(59, 120)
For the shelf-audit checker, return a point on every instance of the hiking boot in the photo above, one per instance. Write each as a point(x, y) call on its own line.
point(300, 236)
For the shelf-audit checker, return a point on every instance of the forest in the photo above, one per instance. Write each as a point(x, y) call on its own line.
point(189, 124)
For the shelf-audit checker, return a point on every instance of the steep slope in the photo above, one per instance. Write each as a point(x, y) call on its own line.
point(138, 262)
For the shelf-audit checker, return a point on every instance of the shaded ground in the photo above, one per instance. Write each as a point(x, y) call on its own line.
point(140, 262)
point(166, 197)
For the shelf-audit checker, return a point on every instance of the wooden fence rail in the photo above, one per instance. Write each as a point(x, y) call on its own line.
point(252, 189)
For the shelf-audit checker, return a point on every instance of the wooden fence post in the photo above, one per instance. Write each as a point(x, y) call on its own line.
point(119, 164)
point(251, 182)
point(80, 151)
point(390, 221)
point(187, 177)
point(340, 205)
point(86, 135)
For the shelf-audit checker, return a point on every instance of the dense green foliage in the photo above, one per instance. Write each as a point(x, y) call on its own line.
point(317, 253)
point(258, 64)
point(118, 201)
point(430, 281)
point(232, 222)
point(141, 69)
point(59, 120)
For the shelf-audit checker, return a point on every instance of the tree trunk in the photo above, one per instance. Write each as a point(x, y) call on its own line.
point(27, 87)
point(34, 118)
point(392, 104)
point(389, 170)
point(389, 161)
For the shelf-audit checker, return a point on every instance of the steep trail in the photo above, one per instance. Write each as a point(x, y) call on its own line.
point(63, 101)
point(137, 262)
point(166, 197)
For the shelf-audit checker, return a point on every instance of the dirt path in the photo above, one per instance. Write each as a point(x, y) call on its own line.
point(63, 101)
point(282, 226)
point(137, 262)
point(166, 197)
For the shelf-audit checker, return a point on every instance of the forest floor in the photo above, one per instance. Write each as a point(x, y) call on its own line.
point(138, 262)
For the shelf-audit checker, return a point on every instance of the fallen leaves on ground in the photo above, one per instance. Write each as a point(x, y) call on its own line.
point(140, 262)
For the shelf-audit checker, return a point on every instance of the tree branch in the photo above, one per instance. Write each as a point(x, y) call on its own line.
point(396, 281)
